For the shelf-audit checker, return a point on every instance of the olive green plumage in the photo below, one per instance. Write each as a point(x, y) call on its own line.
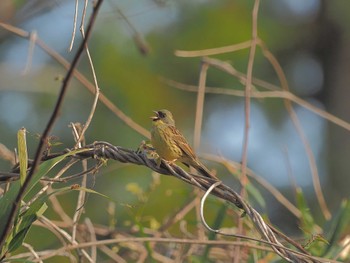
point(171, 145)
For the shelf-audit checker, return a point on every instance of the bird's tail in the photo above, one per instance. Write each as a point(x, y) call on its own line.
point(204, 170)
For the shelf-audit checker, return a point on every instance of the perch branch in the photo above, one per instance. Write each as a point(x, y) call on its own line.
point(105, 151)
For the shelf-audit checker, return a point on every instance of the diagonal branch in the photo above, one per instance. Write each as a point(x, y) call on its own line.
point(105, 151)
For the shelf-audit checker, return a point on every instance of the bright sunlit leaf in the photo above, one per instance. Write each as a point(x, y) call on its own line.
point(22, 154)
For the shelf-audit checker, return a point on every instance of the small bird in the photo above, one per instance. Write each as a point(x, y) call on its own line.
point(171, 145)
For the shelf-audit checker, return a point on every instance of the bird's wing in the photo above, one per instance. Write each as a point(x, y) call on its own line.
point(192, 160)
point(181, 142)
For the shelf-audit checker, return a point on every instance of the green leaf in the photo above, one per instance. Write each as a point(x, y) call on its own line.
point(255, 193)
point(338, 227)
point(251, 189)
point(6, 203)
point(77, 187)
point(22, 154)
point(27, 218)
point(25, 222)
point(89, 191)
point(47, 166)
point(315, 242)
point(307, 221)
point(8, 199)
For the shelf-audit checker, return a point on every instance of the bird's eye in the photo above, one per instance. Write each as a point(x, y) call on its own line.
point(161, 114)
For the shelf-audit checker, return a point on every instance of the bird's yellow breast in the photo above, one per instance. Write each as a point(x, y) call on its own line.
point(163, 143)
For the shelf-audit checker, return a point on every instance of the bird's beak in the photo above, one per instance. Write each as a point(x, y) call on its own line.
point(154, 118)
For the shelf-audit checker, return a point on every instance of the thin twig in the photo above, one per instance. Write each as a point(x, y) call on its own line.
point(344, 251)
point(82, 194)
point(68, 237)
point(74, 24)
point(140, 42)
point(91, 170)
point(276, 93)
point(213, 51)
point(7, 154)
point(200, 105)
point(112, 254)
point(176, 240)
point(101, 243)
point(312, 162)
point(97, 89)
point(248, 89)
point(82, 23)
point(178, 215)
point(34, 253)
point(44, 189)
point(56, 206)
point(204, 198)
point(197, 136)
point(234, 167)
point(32, 39)
point(93, 238)
point(247, 92)
point(217, 231)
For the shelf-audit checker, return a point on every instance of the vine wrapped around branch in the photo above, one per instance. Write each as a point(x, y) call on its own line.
point(105, 151)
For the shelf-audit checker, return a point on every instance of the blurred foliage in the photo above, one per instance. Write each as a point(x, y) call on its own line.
point(142, 202)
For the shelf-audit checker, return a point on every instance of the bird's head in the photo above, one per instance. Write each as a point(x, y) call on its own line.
point(164, 116)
